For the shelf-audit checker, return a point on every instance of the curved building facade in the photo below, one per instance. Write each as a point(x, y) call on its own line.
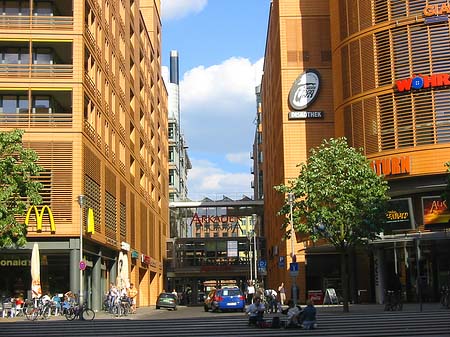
point(382, 82)
point(390, 60)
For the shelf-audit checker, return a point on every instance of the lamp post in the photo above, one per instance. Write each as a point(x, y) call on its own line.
point(81, 202)
point(254, 219)
point(294, 259)
point(250, 261)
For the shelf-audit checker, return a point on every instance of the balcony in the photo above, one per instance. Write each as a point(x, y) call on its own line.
point(51, 15)
point(40, 60)
point(62, 71)
point(51, 109)
point(36, 22)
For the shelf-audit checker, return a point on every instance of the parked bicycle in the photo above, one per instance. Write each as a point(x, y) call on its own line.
point(393, 301)
point(122, 306)
point(37, 309)
point(81, 312)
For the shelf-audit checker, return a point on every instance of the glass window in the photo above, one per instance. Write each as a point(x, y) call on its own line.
point(42, 56)
point(41, 102)
point(11, 8)
point(9, 104)
point(24, 56)
point(11, 56)
point(23, 104)
point(25, 7)
point(43, 8)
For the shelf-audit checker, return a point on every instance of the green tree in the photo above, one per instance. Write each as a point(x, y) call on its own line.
point(339, 198)
point(18, 186)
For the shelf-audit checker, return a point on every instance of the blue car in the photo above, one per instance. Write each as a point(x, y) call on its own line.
point(229, 298)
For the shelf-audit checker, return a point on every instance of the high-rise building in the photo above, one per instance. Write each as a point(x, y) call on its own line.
point(83, 78)
point(374, 72)
point(179, 163)
point(292, 48)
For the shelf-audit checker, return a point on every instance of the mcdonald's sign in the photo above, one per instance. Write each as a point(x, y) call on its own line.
point(40, 216)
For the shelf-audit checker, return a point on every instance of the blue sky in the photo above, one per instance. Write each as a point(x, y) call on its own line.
point(221, 47)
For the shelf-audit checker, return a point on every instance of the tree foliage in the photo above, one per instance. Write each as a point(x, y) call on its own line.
point(337, 197)
point(18, 186)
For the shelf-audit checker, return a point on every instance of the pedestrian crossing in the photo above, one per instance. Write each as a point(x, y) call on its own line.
point(430, 323)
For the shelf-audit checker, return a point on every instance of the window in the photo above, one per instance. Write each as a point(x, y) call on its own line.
point(43, 8)
point(9, 104)
point(42, 56)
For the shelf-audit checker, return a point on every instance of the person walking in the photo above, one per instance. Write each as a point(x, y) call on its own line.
point(250, 292)
point(132, 293)
point(282, 293)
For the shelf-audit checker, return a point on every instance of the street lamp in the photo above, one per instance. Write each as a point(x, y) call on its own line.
point(294, 259)
point(254, 219)
point(82, 203)
point(250, 261)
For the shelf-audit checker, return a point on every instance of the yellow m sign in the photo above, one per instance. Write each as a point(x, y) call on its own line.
point(40, 216)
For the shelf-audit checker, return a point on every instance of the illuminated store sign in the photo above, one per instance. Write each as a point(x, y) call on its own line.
point(423, 82)
point(210, 219)
point(399, 215)
point(436, 13)
point(15, 262)
point(305, 114)
point(40, 217)
point(392, 166)
point(435, 212)
point(216, 223)
point(303, 93)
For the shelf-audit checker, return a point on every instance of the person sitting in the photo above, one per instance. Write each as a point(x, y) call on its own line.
point(294, 313)
point(256, 312)
point(57, 303)
point(309, 316)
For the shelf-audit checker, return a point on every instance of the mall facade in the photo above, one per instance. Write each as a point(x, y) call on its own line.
point(376, 72)
point(83, 79)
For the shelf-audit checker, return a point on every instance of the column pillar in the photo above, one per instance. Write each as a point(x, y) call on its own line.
point(74, 266)
point(97, 293)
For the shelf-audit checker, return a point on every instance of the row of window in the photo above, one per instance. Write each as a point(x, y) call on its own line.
point(44, 8)
point(17, 104)
point(23, 56)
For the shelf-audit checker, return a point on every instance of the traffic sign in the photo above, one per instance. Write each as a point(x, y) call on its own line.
point(262, 264)
point(82, 265)
point(281, 262)
point(293, 269)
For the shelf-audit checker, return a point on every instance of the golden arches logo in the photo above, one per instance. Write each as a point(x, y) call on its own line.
point(40, 216)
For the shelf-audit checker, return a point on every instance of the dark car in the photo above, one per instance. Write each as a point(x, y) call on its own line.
point(166, 300)
point(227, 298)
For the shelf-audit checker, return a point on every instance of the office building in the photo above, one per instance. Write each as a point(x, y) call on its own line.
point(83, 78)
point(376, 73)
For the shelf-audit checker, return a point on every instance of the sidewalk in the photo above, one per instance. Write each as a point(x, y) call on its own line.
point(376, 308)
point(147, 312)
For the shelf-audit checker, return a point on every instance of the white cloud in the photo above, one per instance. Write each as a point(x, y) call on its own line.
point(206, 178)
point(218, 109)
point(218, 106)
point(225, 86)
point(176, 9)
point(239, 158)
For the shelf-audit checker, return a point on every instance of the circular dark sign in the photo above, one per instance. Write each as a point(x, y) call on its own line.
point(304, 90)
point(82, 265)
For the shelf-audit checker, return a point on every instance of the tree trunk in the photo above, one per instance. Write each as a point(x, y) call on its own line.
point(344, 280)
